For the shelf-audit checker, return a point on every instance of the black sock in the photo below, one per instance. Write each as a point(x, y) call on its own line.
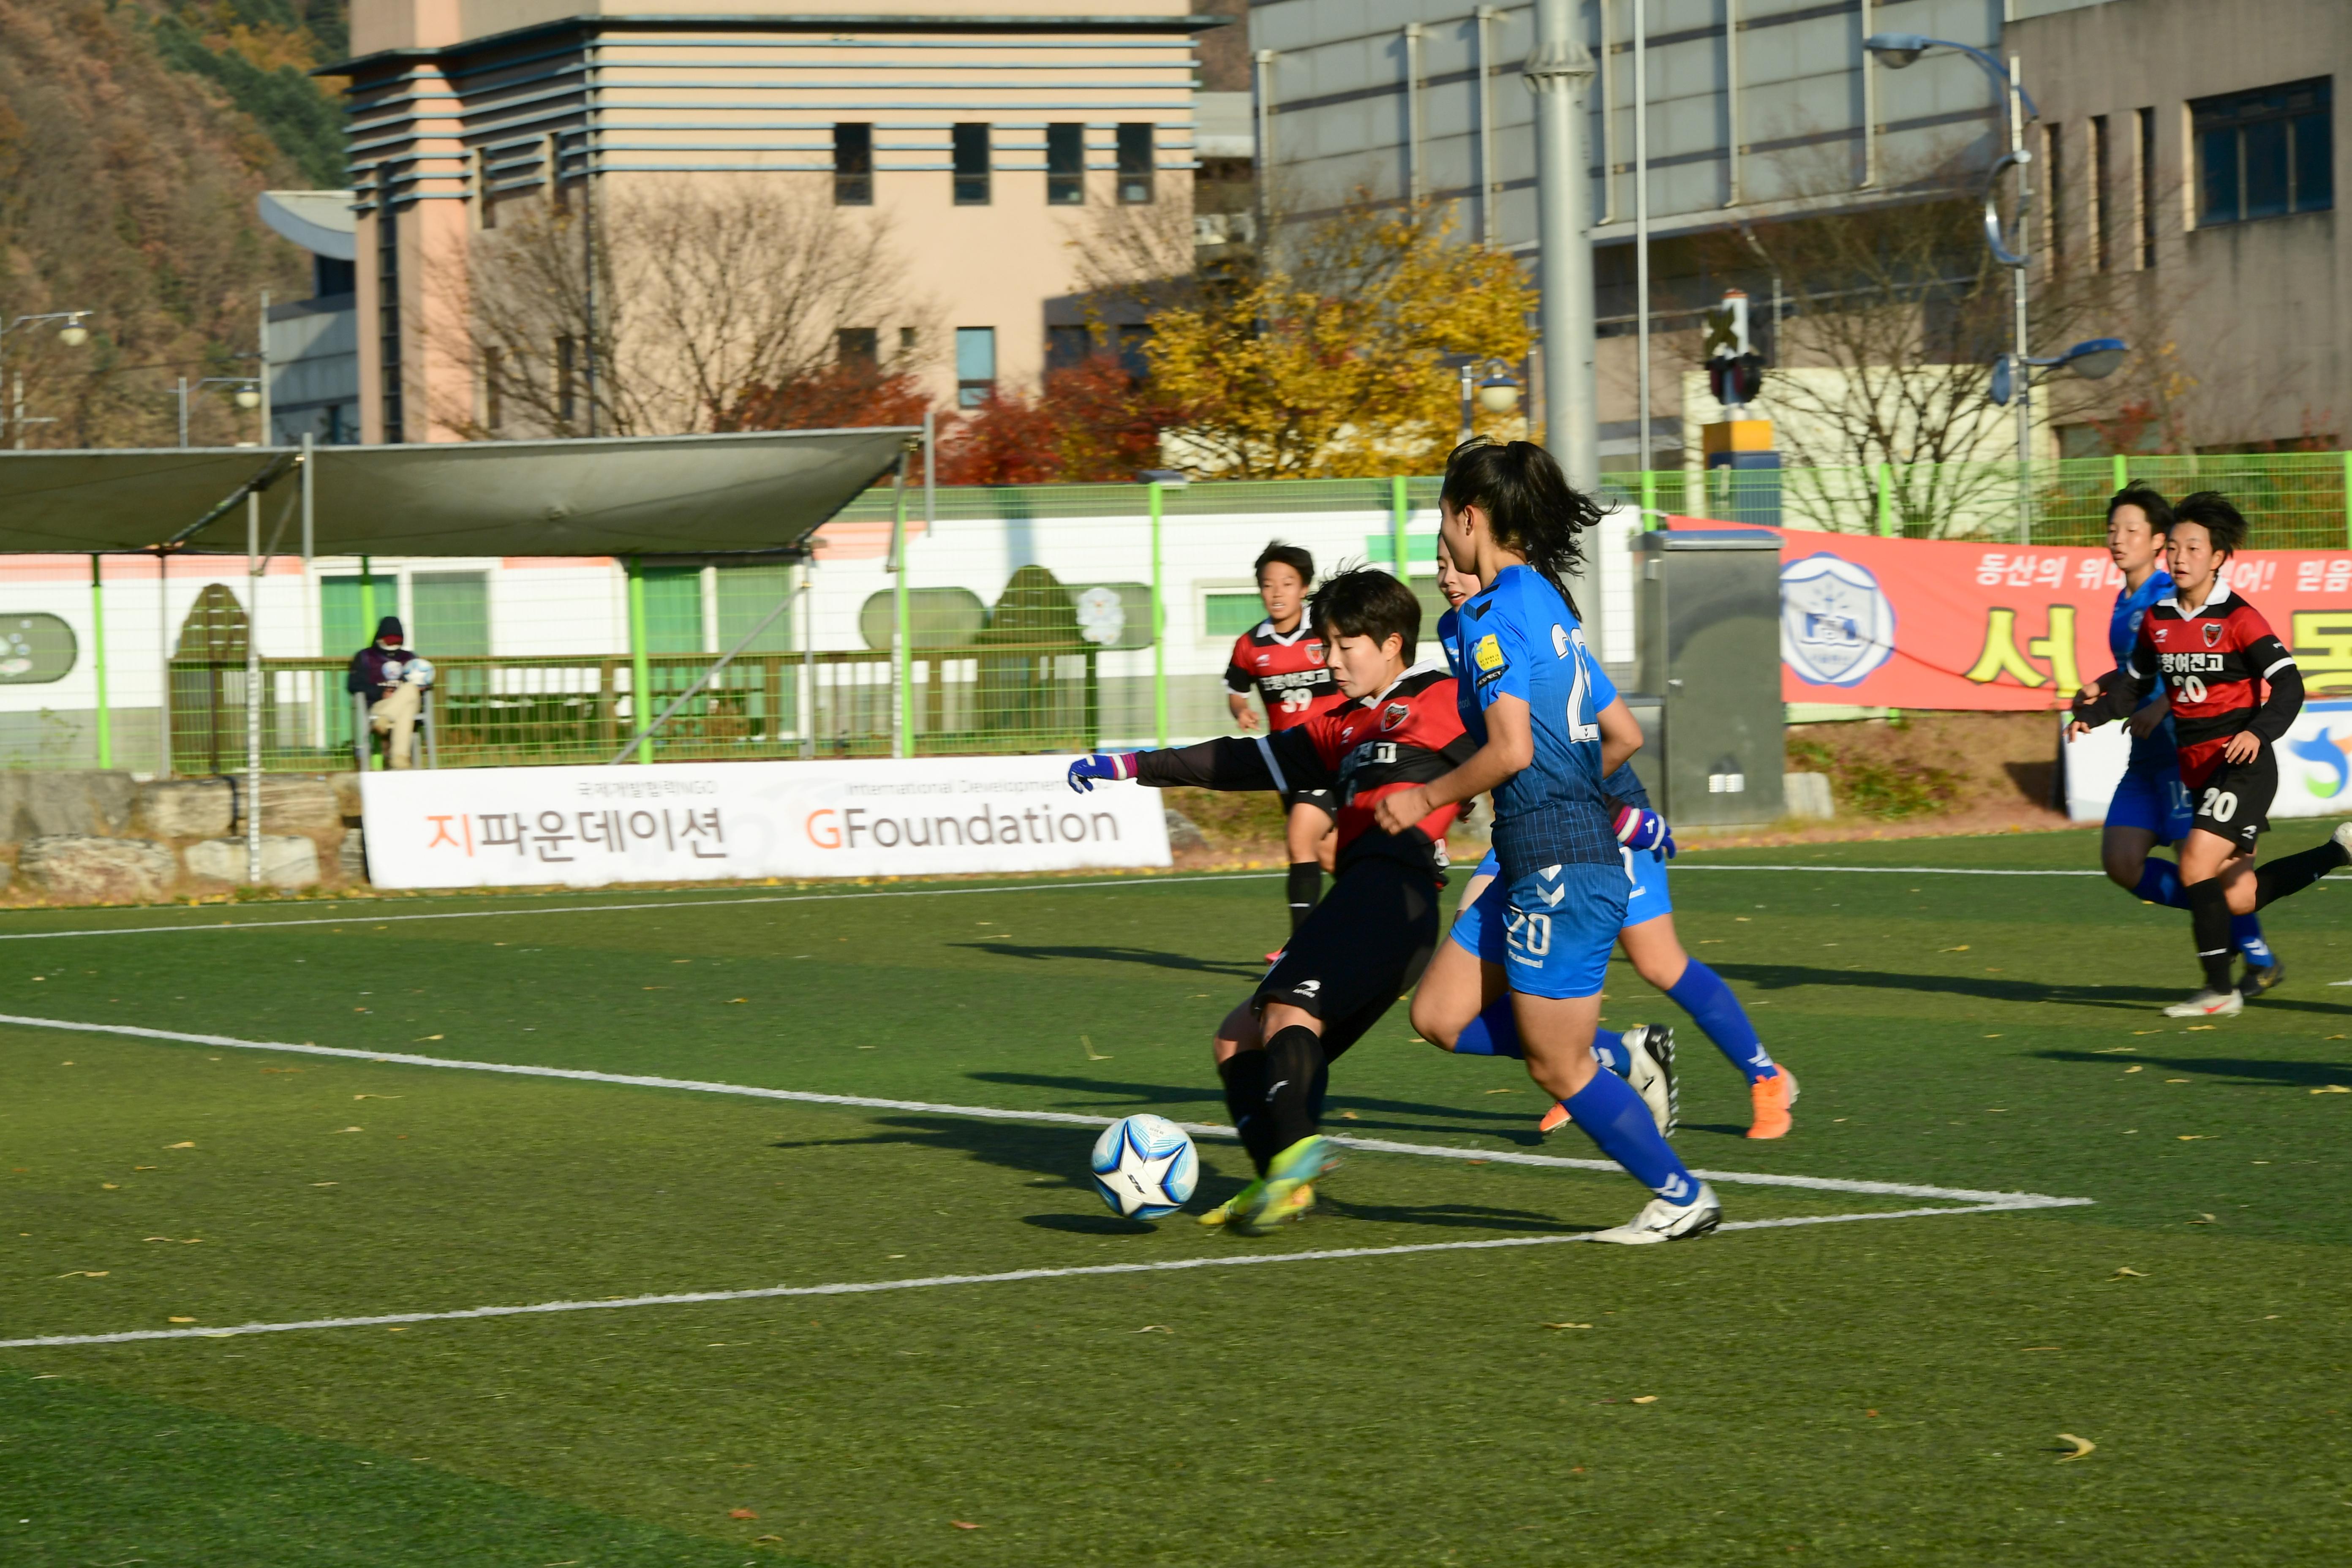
point(2209, 918)
point(1246, 1079)
point(1305, 887)
point(1294, 1063)
point(2293, 873)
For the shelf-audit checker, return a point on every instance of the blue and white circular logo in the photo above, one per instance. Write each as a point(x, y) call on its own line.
point(1836, 625)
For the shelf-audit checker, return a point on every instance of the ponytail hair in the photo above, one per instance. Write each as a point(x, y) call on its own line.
point(1529, 505)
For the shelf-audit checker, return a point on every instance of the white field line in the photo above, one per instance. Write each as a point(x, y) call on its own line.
point(353, 919)
point(873, 1287)
point(998, 1113)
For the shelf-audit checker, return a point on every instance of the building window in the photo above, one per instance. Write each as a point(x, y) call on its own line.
point(486, 200)
point(1135, 164)
point(2095, 218)
point(905, 340)
point(1066, 347)
point(387, 306)
point(853, 165)
point(2143, 203)
point(1134, 350)
point(452, 611)
point(552, 158)
point(673, 609)
point(567, 403)
point(1065, 165)
point(970, 165)
point(2265, 153)
point(859, 348)
point(975, 365)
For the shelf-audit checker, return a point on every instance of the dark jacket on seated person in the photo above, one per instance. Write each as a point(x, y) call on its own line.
point(377, 669)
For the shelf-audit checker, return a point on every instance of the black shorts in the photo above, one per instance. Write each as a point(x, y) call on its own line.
point(2235, 799)
point(1321, 800)
point(1364, 946)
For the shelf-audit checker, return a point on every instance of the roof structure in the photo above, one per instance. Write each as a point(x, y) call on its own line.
point(658, 495)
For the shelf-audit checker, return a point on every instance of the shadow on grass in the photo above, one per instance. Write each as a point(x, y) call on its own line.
point(1371, 1115)
point(2243, 1069)
point(1988, 988)
point(1238, 969)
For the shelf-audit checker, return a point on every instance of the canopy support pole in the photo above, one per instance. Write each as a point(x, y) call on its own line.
point(808, 653)
point(706, 677)
point(902, 716)
point(164, 658)
point(97, 656)
point(253, 688)
point(641, 669)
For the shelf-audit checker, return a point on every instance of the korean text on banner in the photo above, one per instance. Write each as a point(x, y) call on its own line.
point(1932, 624)
point(487, 827)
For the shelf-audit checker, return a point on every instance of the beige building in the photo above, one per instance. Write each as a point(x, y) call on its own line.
point(2196, 149)
point(985, 137)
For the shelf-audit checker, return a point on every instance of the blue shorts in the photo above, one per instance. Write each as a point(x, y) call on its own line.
point(1551, 935)
point(2153, 798)
point(1479, 928)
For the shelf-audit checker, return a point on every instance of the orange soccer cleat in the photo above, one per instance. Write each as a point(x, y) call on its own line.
point(1553, 1119)
point(1773, 1099)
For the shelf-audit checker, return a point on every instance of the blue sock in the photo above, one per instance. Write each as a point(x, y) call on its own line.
point(2159, 883)
point(1493, 1032)
point(2246, 936)
point(1702, 993)
point(1613, 1116)
point(1609, 1050)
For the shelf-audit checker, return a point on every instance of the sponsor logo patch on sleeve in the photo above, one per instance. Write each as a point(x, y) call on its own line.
point(1489, 654)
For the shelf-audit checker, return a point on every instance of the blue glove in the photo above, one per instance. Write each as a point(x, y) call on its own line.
point(1640, 829)
point(1101, 765)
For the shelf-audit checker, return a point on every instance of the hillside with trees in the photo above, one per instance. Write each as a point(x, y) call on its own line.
point(134, 135)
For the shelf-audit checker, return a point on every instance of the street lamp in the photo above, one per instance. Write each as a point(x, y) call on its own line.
point(73, 334)
point(1498, 393)
point(2095, 359)
point(1896, 50)
point(247, 396)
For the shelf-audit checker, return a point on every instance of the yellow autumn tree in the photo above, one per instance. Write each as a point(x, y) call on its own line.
point(1330, 359)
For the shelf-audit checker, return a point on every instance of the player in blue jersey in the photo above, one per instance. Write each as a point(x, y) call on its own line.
point(2151, 806)
point(1546, 740)
point(1460, 1004)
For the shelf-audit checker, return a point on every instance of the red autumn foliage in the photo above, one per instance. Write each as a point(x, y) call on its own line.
point(1096, 421)
point(844, 397)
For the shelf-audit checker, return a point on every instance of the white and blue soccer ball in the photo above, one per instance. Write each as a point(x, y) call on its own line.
point(1145, 1167)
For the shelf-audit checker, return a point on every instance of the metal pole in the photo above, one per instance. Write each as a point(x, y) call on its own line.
point(1642, 228)
point(164, 658)
point(807, 688)
point(1415, 186)
point(1399, 505)
point(641, 669)
point(1869, 107)
point(252, 689)
point(184, 411)
point(261, 380)
point(98, 659)
point(1262, 79)
point(902, 669)
point(1558, 72)
point(1731, 198)
point(1159, 617)
point(2022, 373)
point(1608, 121)
point(1469, 427)
point(588, 248)
point(1484, 18)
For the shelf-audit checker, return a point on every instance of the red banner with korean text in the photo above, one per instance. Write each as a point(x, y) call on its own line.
point(1923, 623)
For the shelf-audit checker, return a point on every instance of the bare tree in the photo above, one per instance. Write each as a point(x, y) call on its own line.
point(710, 305)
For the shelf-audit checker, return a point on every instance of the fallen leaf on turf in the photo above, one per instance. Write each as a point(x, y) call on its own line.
point(1962, 948)
point(111, 1186)
point(2192, 1137)
point(764, 1539)
point(2135, 1068)
point(181, 1320)
point(730, 1002)
point(1502, 1092)
point(1092, 1055)
point(741, 1513)
point(1567, 1325)
point(2204, 1219)
point(1870, 1413)
point(420, 1040)
point(350, 1129)
point(1155, 1329)
point(1350, 1116)
point(384, 1096)
point(2127, 1274)
point(85, 1273)
point(2176, 1081)
point(1992, 1037)
point(2118, 1050)
point(960, 1525)
point(2332, 1088)
point(2195, 1028)
point(188, 1146)
point(1646, 1399)
point(2081, 1446)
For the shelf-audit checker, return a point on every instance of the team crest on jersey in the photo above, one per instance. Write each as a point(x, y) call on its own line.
point(1315, 653)
point(2213, 634)
point(1264, 660)
point(1394, 715)
point(1489, 654)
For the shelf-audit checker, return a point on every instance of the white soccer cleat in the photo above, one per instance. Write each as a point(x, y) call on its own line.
point(2209, 1004)
point(1662, 1221)
point(2343, 836)
point(1650, 1069)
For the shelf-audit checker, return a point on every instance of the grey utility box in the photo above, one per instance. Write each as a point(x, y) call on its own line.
point(1709, 628)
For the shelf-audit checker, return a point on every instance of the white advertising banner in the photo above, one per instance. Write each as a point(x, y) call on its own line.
point(586, 827)
point(2314, 762)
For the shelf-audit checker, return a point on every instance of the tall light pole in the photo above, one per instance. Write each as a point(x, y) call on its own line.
point(1558, 73)
point(73, 334)
point(248, 395)
point(1896, 50)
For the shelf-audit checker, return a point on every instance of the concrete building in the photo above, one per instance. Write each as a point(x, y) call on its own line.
point(313, 346)
point(982, 138)
point(2195, 149)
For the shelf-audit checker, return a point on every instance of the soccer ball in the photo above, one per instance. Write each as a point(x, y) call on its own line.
point(1145, 1167)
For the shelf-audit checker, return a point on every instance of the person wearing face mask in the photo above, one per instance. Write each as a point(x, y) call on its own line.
point(386, 672)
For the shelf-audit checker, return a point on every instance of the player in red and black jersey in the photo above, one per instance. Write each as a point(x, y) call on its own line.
point(2234, 690)
point(1282, 659)
point(1363, 947)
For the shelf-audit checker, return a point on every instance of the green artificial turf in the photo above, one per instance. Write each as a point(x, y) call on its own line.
point(1884, 1391)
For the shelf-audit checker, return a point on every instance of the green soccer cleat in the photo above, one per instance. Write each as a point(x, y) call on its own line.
point(1284, 1192)
point(1248, 1197)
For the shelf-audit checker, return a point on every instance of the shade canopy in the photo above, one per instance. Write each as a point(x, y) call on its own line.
point(657, 495)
